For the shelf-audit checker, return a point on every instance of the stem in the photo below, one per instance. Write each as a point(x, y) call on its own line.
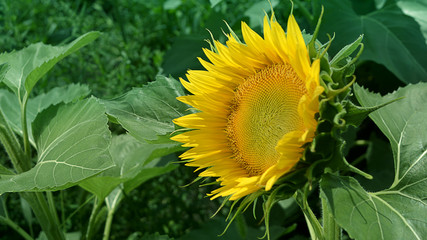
point(44, 215)
point(331, 230)
point(75, 211)
point(108, 222)
point(52, 207)
point(27, 146)
point(16, 227)
point(313, 224)
point(93, 217)
point(61, 195)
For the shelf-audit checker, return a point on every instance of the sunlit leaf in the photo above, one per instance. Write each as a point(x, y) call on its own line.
point(391, 38)
point(399, 211)
point(380, 215)
point(28, 65)
point(132, 159)
point(72, 142)
point(148, 111)
point(417, 10)
point(10, 106)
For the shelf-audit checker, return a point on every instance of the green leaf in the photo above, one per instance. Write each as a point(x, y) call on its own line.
point(113, 200)
point(345, 52)
point(214, 2)
point(257, 12)
point(171, 4)
point(72, 143)
point(390, 37)
point(3, 70)
point(393, 118)
point(148, 111)
point(155, 236)
point(379, 163)
point(132, 159)
point(28, 65)
point(5, 171)
point(399, 211)
point(416, 9)
point(381, 215)
point(9, 104)
point(156, 168)
point(356, 114)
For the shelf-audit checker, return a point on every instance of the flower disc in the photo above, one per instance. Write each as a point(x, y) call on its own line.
point(264, 109)
point(257, 105)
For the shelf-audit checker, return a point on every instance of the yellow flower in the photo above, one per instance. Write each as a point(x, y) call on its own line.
point(257, 103)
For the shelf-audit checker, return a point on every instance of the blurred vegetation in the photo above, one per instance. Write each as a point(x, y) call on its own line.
point(144, 38)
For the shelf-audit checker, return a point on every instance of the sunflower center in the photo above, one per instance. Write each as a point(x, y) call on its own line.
point(264, 109)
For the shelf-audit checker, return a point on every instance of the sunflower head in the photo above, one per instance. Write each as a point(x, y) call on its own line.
point(258, 104)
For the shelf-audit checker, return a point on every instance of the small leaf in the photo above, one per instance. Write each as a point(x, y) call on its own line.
point(28, 65)
point(72, 142)
point(346, 52)
point(356, 114)
point(148, 111)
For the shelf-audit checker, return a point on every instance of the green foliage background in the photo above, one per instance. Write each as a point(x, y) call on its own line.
point(143, 38)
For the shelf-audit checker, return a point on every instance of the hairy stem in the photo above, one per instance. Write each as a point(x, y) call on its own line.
point(331, 230)
point(313, 224)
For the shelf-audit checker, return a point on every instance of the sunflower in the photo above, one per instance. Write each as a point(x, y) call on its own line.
point(257, 104)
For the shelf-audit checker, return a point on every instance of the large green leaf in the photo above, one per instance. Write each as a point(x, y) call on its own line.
point(391, 38)
point(72, 143)
point(381, 215)
point(393, 119)
point(148, 111)
point(400, 211)
point(28, 65)
point(416, 9)
point(132, 158)
point(9, 104)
